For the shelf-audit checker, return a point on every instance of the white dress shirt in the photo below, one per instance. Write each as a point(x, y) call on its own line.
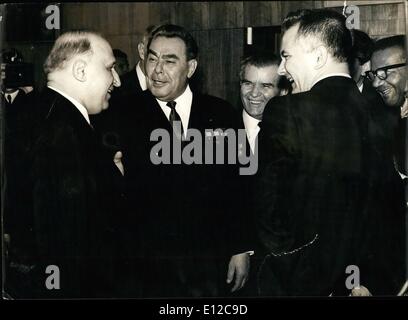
point(13, 95)
point(141, 77)
point(78, 105)
point(251, 127)
point(360, 86)
point(183, 107)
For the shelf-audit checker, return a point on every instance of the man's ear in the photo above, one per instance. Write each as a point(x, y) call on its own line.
point(192, 66)
point(79, 70)
point(140, 49)
point(321, 55)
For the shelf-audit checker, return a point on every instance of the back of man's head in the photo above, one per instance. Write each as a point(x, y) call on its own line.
point(142, 45)
point(175, 31)
point(119, 54)
point(362, 47)
point(328, 26)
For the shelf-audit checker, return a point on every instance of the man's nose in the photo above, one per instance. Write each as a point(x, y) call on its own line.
point(159, 67)
point(281, 69)
point(377, 82)
point(116, 78)
point(255, 91)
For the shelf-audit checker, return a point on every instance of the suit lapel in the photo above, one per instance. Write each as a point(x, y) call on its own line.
point(156, 114)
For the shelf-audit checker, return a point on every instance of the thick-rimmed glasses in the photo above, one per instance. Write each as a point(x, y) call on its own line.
point(381, 73)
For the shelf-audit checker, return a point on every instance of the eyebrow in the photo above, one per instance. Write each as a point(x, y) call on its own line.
point(263, 83)
point(165, 56)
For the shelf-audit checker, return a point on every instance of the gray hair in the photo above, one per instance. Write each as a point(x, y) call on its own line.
point(67, 46)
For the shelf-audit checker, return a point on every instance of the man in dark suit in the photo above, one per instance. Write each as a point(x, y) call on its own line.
point(192, 240)
point(311, 185)
point(73, 180)
point(389, 78)
point(388, 243)
point(110, 122)
point(259, 82)
point(17, 98)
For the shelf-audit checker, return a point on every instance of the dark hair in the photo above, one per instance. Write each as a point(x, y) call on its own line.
point(150, 29)
point(174, 31)
point(258, 60)
point(363, 46)
point(66, 46)
point(119, 54)
point(398, 41)
point(327, 25)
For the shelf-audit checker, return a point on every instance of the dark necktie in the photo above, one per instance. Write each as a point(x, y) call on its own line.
point(175, 120)
point(8, 98)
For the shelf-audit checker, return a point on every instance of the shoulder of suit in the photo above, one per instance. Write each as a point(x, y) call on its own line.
point(212, 102)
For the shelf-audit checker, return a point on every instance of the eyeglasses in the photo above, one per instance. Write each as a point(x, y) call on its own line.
point(382, 73)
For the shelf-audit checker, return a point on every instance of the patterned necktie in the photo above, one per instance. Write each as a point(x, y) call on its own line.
point(175, 120)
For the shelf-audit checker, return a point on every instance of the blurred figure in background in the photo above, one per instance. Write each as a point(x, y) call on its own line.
point(122, 63)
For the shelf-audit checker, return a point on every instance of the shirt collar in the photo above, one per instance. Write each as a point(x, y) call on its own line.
point(13, 95)
point(360, 86)
point(249, 121)
point(78, 105)
point(183, 107)
point(141, 77)
point(340, 74)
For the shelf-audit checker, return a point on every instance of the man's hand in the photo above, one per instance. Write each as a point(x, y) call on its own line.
point(360, 292)
point(238, 267)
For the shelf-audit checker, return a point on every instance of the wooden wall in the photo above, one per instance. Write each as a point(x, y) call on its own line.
point(219, 28)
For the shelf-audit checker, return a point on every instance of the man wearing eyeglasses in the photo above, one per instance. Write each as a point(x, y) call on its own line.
point(388, 70)
point(389, 77)
point(386, 202)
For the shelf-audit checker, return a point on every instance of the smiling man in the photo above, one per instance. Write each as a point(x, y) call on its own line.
point(71, 177)
point(194, 243)
point(389, 77)
point(260, 81)
point(310, 183)
point(389, 70)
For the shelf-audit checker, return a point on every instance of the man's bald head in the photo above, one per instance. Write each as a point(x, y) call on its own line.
point(68, 45)
point(81, 64)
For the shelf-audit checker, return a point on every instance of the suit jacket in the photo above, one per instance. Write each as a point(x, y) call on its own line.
point(311, 187)
point(109, 123)
point(189, 223)
point(18, 120)
point(74, 195)
point(130, 83)
point(384, 244)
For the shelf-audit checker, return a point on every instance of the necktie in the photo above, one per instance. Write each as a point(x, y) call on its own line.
point(8, 98)
point(175, 120)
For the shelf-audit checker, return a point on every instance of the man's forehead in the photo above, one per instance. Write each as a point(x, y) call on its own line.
point(168, 46)
point(290, 35)
point(265, 73)
point(103, 49)
point(388, 56)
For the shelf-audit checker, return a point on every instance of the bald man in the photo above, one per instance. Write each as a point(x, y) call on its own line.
point(73, 188)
